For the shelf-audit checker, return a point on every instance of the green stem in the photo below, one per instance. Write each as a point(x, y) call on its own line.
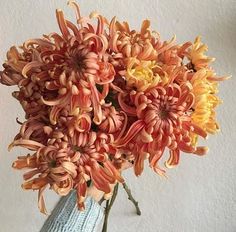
point(101, 201)
point(131, 198)
point(109, 204)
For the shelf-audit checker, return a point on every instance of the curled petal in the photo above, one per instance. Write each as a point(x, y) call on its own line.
point(167, 45)
point(114, 171)
point(62, 23)
point(145, 26)
point(14, 79)
point(106, 73)
point(73, 3)
point(41, 202)
point(25, 162)
point(81, 194)
point(40, 42)
point(153, 160)
point(28, 67)
point(83, 123)
point(30, 144)
point(199, 131)
point(54, 114)
point(101, 22)
point(146, 137)
point(201, 151)
point(30, 174)
point(132, 132)
point(99, 181)
point(185, 147)
point(59, 101)
point(173, 159)
point(35, 184)
point(139, 162)
point(96, 102)
point(124, 125)
point(65, 189)
point(70, 168)
point(128, 109)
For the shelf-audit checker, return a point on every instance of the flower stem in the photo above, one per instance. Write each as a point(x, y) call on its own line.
point(109, 204)
point(101, 201)
point(131, 198)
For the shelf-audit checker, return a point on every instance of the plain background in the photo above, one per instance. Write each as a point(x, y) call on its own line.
point(200, 194)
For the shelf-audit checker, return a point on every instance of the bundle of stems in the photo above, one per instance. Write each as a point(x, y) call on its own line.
point(110, 202)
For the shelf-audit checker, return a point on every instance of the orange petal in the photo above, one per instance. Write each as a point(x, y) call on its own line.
point(29, 66)
point(30, 144)
point(81, 194)
point(198, 130)
point(185, 147)
point(201, 151)
point(62, 23)
point(132, 132)
point(139, 163)
point(59, 101)
point(173, 159)
point(128, 109)
point(99, 181)
point(41, 202)
point(114, 171)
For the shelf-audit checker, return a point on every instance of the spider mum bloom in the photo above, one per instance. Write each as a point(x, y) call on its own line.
point(141, 74)
point(36, 129)
point(163, 122)
point(173, 56)
point(205, 88)
point(78, 63)
point(131, 43)
point(67, 163)
point(113, 120)
point(197, 55)
point(59, 70)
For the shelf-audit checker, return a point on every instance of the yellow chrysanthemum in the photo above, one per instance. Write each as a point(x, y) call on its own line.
point(197, 56)
point(204, 90)
point(140, 74)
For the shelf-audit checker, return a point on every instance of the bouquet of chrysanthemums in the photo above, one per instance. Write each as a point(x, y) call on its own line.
point(99, 95)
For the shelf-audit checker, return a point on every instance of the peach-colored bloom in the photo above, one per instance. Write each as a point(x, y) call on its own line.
point(66, 163)
point(164, 122)
point(131, 43)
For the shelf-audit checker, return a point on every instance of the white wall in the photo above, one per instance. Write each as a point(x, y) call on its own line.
point(200, 194)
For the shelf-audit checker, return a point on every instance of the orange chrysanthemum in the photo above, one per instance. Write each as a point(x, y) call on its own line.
point(68, 162)
point(164, 121)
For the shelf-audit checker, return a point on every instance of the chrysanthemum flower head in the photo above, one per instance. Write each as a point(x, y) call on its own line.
point(141, 74)
point(131, 43)
point(197, 55)
point(163, 122)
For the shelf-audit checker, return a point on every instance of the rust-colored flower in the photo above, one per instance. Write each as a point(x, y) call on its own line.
point(164, 121)
point(67, 163)
point(131, 43)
